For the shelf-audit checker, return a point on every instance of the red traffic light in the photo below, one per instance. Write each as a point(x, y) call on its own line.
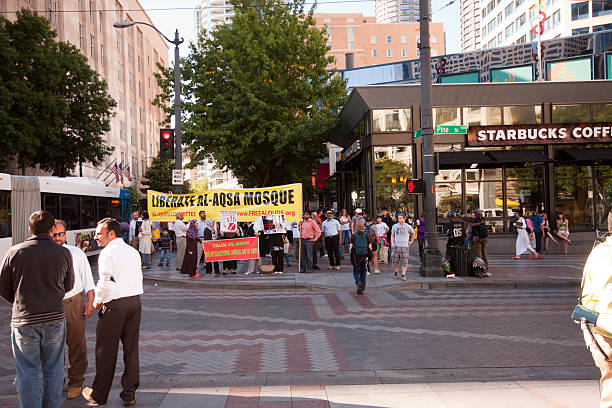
point(166, 135)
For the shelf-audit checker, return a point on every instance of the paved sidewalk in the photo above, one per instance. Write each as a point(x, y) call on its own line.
point(508, 394)
point(549, 271)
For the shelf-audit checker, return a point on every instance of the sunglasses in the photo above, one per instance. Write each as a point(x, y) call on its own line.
point(60, 234)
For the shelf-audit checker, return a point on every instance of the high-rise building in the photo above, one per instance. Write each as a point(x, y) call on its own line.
point(372, 43)
point(506, 22)
point(210, 13)
point(126, 59)
point(397, 11)
point(470, 25)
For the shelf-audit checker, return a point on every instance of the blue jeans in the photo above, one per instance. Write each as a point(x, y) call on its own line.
point(359, 271)
point(306, 262)
point(346, 240)
point(165, 254)
point(35, 347)
point(146, 259)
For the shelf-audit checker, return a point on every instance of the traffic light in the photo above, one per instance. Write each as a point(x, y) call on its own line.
point(415, 186)
point(166, 144)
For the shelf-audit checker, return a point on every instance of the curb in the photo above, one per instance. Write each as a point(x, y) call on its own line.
point(454, 285)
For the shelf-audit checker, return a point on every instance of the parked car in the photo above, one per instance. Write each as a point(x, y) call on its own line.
point(490, 213)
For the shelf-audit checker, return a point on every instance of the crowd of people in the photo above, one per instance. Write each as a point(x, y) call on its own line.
point(534, 233)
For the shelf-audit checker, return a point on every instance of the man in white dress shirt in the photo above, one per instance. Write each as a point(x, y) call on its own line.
point(180, 231)
point(135, 223)
point(117, 296)
point(76, 312)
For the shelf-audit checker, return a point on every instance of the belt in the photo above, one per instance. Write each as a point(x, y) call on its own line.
point(308, 238)
point(331, 236)
point(72, 299)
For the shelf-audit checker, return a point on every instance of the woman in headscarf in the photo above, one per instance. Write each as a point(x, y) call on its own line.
point(210, 233)
point(190, 261)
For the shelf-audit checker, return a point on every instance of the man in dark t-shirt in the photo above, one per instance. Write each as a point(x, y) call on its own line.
point(455, 231)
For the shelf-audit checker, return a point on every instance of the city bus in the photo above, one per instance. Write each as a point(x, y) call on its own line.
point(79, 201)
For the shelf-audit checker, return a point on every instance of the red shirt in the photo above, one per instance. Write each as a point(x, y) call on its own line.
point(309, 229)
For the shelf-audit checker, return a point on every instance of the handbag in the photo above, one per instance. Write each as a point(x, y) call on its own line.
point(266, 269)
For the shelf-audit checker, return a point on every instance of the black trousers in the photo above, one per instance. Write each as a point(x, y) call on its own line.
point(538, 239)
point(315, 248)
point(333, 250)
point(118, 319)
point(277, 260)
point(209, 267)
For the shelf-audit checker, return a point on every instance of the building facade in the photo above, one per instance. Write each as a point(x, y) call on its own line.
point(506, 22)
point(372, 43)
point(397, 11)
point(126, 59)
point(470, 25)
point(501, 147)
point(210, 13)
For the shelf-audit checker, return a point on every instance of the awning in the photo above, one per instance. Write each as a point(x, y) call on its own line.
point(584, 155)
point(490, 158)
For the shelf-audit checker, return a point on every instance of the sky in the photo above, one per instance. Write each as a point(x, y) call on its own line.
point(167, 21)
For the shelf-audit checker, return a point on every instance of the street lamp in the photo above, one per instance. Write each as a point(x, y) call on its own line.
point(178, 155)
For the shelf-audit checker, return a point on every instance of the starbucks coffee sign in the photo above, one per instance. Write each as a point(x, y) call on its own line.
point(539, 134)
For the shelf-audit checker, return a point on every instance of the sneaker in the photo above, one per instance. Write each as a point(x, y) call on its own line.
point(247, 273)
point(161, 264)
point(338, 267)
point(167, 264)
point(194, 276)
point(376, 271)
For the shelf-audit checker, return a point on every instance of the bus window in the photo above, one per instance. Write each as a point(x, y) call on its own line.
point(5, 214)
point(69, 211)
point(50, 204)
point(116, 209)
point(88, 212)
point(103, 208)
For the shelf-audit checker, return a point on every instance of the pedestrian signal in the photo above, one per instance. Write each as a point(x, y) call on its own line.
point(166, 144)
point(415, 186)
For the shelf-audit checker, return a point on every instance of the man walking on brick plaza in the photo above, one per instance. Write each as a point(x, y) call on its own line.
point(76, 312)
point(118, 300)
point(35, 276)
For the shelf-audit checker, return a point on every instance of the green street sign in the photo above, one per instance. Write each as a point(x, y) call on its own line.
point(443, 130)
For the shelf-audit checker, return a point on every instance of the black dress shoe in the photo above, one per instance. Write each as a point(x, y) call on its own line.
point(316, 268)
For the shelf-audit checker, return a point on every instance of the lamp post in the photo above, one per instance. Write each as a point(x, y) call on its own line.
point(178, 150)
point(432, 265)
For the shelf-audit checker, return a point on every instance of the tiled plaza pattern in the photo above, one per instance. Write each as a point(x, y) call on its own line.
point(194, 332)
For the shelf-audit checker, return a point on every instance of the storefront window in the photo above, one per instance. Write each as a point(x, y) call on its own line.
point(392, 120)
point(575, 194)
point(571, 113)
point(448, 198)
point(482, 116)
point(446, 116)
point(483, 174)
point(603, 195)
point(525, 189)
point(522, 115)
point(447, 147)
point(393, 166)
point(602, 113)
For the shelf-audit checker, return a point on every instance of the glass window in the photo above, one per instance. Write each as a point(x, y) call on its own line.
point(374, 53)
point(603, 194)
point(69, 211)
point(389, 52)
point(389, 39)
point(556, 18)
point(509, 30)
point(393, 166)
point(521, 115)
point(5, 214)
point(571, 113)
point(520, 21)
point(351, 33)
point(115, 210)
point(524, 189)
point(486, 195)
point(518, 3)
point(103, 208)
point(482, 116)
point(602, 27)
point(574, 194)
point(404, 52)
point(88, 212)
point(509, 9)
point(580, 10)
point(373, 39)
point(602, 113)
point(583, 30)
point(50, 203)
point(404, 39)
point(392, 120)
point(446, 116)
point(448, 198)
point(601, 8)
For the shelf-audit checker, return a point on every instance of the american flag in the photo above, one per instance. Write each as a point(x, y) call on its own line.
point(126, 171)
point(115, 171)
point(121, 172)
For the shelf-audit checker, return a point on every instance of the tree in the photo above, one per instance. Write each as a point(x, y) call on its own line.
point(259, 98)
point(54, 108)
point(200, 185)
point(159, 176)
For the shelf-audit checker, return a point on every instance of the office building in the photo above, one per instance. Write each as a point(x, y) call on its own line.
point(470, 24)
point(126, 59)
point(210, 13)
point(372, 43)
point(397, 11)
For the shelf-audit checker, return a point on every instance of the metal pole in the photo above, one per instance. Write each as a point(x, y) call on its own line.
point(433, 261)
point(540, 64)
point(178, 149)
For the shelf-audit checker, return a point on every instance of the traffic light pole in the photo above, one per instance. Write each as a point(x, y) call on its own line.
point(178, 148)
point(432, 262)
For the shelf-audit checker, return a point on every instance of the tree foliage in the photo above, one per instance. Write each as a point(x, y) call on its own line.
point(54, 109)
point(200, 186)
point(159, 176)
point(259, 98)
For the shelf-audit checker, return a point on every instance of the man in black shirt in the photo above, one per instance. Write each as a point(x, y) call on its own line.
point(34, 278)
point(455, 231)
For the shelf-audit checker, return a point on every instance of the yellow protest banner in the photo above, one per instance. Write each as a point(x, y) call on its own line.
point(249, 203)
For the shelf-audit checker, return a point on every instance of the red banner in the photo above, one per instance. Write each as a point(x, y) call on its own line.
point(231, 249)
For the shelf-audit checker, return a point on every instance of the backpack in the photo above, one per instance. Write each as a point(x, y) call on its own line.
point(361, 244)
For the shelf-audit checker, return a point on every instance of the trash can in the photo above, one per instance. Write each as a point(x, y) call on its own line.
point(461, 261)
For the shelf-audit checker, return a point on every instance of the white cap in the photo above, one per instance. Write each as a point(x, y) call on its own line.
point(358, 210)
